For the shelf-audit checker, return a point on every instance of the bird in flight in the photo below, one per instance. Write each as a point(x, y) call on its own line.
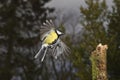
point(50, 39)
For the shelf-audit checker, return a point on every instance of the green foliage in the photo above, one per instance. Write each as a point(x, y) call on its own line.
point(93, 17)
point(94, 67)
point(19, 32)
point(79, 64)
point(19, 35)
point(114, 34)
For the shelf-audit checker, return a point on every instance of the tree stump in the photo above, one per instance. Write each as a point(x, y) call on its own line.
point(99, 63)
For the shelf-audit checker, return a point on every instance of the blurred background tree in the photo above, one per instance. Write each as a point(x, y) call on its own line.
point(19, 34)
point(93, 33)
point(114, 44)
point(20, 22)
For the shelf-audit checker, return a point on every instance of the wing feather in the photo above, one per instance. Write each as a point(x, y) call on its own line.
point(46, 27)
point(60, 48)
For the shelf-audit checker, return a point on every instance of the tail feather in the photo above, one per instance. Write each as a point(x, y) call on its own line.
point(36, 56)
point(44, 54)
point(42, 51)
point(60, 48)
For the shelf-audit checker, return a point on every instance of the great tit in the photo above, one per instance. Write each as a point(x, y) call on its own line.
point(50, 38)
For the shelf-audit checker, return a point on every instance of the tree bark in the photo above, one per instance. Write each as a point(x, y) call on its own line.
point(99, 63)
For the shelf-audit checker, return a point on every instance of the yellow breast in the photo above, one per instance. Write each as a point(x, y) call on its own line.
point(52, 36)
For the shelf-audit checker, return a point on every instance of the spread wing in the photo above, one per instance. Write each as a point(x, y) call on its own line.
point(60, 49)
point(45, 28)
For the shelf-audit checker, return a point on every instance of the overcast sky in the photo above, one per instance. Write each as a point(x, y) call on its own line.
point(70, 7)
point(65, 3)
point(70, 3)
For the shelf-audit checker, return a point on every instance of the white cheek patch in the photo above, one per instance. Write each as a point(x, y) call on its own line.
point(59, 33)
